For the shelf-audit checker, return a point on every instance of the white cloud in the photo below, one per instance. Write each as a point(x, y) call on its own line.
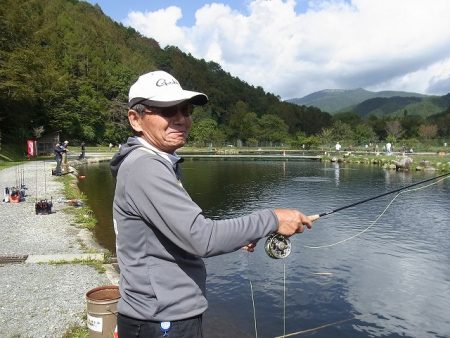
point(378, 45)
point(432, 79)
point(161, 25)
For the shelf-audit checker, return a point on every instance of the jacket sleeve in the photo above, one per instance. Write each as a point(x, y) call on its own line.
point(154, 193)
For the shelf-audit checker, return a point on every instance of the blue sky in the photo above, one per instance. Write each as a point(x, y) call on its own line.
point(119, 9)
point(293, 48)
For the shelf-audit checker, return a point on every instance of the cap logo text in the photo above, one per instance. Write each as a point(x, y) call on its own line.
point(164, 82)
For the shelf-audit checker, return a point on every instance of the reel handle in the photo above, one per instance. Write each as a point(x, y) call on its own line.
point(313, 218)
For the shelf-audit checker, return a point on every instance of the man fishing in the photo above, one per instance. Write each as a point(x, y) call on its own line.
point(161, 233)
point(59, 151)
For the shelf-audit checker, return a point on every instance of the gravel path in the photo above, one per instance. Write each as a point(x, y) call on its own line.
point(41, 300)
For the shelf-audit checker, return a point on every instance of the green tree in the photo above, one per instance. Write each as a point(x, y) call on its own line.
point(303, 141)
point(200, 113)
point(394, 129)
point(342, 131)
point(205, 132)
point(364, 134)
point(65, 66)
point(410, 125)
point(326, 137)
point(272, 129)
point(312, 141)
point(350, 118)
point(442, 120)
point(428, 131)
point(378, 125)
point(243, 124)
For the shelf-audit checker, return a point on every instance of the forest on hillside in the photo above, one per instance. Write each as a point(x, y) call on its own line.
point(65, 66)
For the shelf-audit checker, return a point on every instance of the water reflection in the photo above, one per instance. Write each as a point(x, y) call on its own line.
point(391, 281)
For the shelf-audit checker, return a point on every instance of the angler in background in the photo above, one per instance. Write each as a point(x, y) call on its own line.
point(65, 163)
point(59, 151)
point(161, 233)
point(6, 195)
point(83, 151)
point(388, 148)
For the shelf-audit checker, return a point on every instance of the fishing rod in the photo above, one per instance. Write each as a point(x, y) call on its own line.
point(44, 206)
point(278, 246)
point(23, 186)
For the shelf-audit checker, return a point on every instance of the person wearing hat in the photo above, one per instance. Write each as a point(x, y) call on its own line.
point(161, 233)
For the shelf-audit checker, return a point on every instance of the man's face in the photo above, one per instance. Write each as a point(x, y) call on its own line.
point(165, 128)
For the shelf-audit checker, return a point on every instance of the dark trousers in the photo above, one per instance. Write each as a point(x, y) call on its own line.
point(58, 165)
point(134, 328)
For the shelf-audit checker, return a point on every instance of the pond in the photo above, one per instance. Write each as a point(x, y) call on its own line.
point(348, 277)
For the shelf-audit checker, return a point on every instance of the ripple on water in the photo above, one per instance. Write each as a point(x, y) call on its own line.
point(311, 179)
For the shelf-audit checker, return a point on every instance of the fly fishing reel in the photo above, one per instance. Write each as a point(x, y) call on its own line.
point(277, 246)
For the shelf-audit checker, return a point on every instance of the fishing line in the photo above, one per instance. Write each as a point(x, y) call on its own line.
point(36, 180)
point(315, 217)
point(253, 296)
point(254, 309)
point(378, 217)
point(45, 183)
point(43, 206)
point(314, 329)
point(17, 174)
point(284, 299)
point(278, 246)
point(23, 185)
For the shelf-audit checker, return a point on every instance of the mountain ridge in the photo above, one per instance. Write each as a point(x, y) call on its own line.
point(337, 100)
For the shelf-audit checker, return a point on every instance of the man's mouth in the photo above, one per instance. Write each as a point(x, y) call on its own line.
point(179, 133)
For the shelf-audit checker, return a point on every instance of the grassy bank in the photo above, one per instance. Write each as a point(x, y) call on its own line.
point(8, 164)
point(77, 332)
point(428, 161)
point(84, 216)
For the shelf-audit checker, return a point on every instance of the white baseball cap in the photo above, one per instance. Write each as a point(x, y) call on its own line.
point(160, 89)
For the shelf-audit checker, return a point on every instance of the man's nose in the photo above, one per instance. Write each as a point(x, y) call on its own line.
point(180, 116)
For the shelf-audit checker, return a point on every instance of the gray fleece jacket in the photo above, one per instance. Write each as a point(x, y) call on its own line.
point(162, 235)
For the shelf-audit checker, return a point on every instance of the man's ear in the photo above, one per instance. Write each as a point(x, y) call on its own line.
point(135, 120)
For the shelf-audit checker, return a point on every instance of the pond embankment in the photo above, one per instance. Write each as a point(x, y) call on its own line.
point(45, 260)
point(423, 161)
point(394, 161)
